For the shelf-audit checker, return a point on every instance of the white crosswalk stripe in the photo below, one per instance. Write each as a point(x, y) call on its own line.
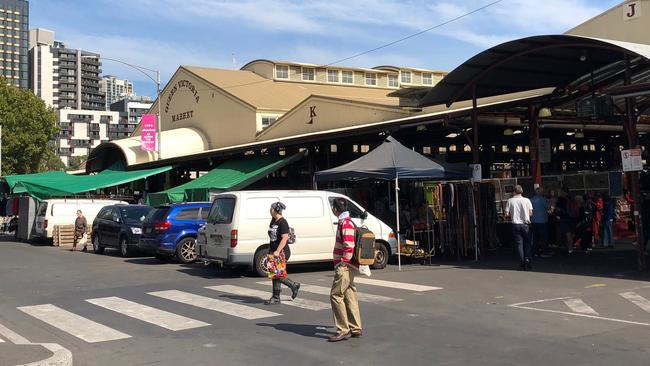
point(237, 310)
point(286, 300)
point(147, 314)
point(637, 300)
point(322, 290)
point(2, 341)
point(78, 326)
point(397, 285)
point(580, 306)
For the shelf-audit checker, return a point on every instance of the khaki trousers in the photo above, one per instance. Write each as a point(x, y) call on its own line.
point(344, 301)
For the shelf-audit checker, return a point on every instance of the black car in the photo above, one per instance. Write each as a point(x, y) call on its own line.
point(119, 226)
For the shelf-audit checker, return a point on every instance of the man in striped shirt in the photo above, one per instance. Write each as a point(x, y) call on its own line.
point(344, 294)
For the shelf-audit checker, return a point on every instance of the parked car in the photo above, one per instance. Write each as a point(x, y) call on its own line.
point(119, 226)
point(64, 211)
point(236, 230)
point(171, 230)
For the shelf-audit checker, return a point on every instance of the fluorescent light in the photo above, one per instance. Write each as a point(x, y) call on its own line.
point(453, 135)
point(508, 132)
point(570, 133)
point(517, 132)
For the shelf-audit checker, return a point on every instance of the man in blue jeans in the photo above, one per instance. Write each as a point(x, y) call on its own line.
point(539, 220)
point(519, 210)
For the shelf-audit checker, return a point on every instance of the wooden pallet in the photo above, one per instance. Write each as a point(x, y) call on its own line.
point(63, 236)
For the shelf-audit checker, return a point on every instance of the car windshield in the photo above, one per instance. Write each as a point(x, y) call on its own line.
point(222, 210)
point(158, 214)
point(135, 215)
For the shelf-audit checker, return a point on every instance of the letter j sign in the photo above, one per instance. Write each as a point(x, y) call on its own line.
point(632, 10)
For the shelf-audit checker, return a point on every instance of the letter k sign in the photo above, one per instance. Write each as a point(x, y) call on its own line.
point(312, 114)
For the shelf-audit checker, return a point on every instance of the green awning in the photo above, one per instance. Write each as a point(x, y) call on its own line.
point(52, 184)
point(231, 175)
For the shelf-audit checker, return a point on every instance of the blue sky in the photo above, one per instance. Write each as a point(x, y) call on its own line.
point(163, 34)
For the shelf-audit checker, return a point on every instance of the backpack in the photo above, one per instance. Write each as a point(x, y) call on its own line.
point(364, 245)
point(292, 236)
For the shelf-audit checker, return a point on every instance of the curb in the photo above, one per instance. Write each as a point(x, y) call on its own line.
point(61, 356)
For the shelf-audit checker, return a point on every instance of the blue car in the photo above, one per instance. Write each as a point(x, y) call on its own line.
point(171, 230)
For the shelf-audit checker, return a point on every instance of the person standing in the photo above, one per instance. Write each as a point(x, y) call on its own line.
point(519, 209)
point(608, 218)
point(539, 220)
point(343, 296)
point(80, 228)
point(278, 239)
point(585, 226)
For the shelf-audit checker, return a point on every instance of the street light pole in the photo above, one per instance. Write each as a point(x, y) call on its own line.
point(157, 81)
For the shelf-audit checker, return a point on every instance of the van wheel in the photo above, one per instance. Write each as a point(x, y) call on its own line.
point(97, 248)
point(381, 256)
point(186, 250)
point(259, 264)
point(124, 248)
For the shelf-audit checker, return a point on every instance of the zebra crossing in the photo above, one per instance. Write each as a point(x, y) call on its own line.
point(225, 299)
point(606, 307)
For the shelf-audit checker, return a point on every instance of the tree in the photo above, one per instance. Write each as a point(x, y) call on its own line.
point(28, 127)
point(75, 162)
point(51, 161)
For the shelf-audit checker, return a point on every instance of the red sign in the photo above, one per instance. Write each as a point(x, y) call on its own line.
point(148, 132)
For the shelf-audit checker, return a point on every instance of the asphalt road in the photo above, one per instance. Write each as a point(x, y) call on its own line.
point(106, 310)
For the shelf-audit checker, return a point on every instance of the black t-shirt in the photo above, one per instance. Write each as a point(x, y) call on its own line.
point(276, 230)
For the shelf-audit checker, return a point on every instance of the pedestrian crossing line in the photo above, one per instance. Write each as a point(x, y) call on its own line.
point(147, 314)
point(397, 285)
point(237, 310)
point(286, 300)
point(322, 290)
point(637, 300)
point(2, 341)
point(579, 306)
point(73, 324)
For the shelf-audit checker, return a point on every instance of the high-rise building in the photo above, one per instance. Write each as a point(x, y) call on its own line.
point(14, 41)
point(115, 89)
point(131, 110)
point(64, 77)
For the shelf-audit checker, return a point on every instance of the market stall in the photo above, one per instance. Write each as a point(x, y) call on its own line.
point(393, 161)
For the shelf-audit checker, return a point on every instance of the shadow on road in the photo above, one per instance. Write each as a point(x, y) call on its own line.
point(305, 330)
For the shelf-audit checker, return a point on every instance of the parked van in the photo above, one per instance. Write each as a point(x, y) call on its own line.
point(236, 230)
point(64, 212)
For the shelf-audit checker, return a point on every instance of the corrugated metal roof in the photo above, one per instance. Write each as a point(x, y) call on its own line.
point(262, 93)
point(530, 63)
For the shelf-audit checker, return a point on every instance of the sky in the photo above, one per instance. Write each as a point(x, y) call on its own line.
point(164, 34)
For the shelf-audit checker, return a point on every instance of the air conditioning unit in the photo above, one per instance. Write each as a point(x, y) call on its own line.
point(595, 107)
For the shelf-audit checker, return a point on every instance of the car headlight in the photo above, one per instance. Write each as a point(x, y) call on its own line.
point(136, 230)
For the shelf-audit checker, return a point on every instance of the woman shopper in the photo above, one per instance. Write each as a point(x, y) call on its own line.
point(278, 248)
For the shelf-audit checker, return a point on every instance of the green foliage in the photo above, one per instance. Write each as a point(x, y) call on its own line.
point(75, 162)
point(28, 127)
point(51, 161)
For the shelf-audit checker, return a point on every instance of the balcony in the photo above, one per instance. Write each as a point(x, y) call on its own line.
point(67, 87)
point(65, 151)
point(94, 127)
point(91, 76)
point(91, 61)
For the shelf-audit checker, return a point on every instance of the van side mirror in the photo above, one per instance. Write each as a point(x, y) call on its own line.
point(364, 215)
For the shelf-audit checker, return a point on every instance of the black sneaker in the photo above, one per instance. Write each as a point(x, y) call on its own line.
point(272, 301)
point(528, 264)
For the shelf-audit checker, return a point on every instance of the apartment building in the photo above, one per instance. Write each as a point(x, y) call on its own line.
point(82, 131)
point(14, 41)
point(130, 111)
point(64, 77)
point(115, 89)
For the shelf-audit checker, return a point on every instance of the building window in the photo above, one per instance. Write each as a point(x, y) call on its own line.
point(281, 72)
point(426, 150)
point(371, 79)
point(365, 149)
point(333, 76)
point(267, 121)
point(427, 79)
point(406, 77)
point(308, 73)
point(393, 82)
point(334, 148)
point(347, 77)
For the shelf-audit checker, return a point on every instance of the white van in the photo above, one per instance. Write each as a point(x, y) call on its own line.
point(64, 212)
point(236, 230)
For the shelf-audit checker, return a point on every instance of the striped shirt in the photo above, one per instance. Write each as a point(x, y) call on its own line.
point(345, 238)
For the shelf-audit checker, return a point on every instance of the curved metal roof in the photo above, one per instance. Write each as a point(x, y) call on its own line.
point(530, 63)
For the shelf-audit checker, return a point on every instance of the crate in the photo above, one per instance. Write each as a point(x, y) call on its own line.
point(63, 236)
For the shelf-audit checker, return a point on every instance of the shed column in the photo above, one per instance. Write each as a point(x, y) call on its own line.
point(535, 166)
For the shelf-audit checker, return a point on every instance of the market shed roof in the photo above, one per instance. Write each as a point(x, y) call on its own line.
point(531, 63)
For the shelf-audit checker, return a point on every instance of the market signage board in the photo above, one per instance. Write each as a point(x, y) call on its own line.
point(148, 132)
point(632, 160)
point(544, 150)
